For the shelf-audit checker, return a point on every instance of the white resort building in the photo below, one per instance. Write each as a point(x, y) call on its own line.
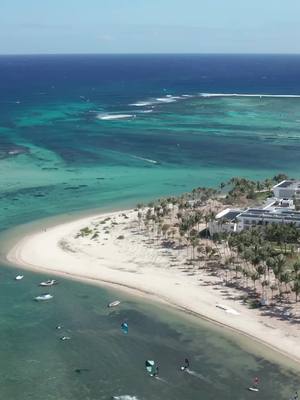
point(288, 189)
point(261, 216)
point(280, 209)
point(225, 221)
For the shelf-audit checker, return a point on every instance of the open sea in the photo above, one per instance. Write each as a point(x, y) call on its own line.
point(82, 133)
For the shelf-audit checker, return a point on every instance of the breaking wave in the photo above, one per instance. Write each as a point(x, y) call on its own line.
point(146, 111)
point(248, 95)
point(107, 117)
point(160, 100)
point(142, 103)
point(146, 159)
point(125, 397)
point(172, 99)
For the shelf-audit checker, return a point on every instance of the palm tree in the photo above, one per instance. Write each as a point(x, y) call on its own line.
point(140, 215)
point(296, 289)
point(270, 263)
point(273, 288)
point(285, 278)
point(254, 278)
point(296, 269)
point(165, 228)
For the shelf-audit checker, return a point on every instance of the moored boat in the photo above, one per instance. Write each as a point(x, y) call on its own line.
point(114, 303)
point(19, 277)
point(46, 296)
point(49, 282)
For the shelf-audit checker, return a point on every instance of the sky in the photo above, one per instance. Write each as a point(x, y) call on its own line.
point(149, 26)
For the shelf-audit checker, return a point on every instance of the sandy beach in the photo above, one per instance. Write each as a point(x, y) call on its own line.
point(112, 248)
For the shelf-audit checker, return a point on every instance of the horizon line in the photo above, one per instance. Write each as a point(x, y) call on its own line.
point(148, 54)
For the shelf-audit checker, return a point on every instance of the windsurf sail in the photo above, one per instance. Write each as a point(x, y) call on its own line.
point(124, 327)
point(150, 367)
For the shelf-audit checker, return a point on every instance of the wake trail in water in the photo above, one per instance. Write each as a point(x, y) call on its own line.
point(161, 379)
point(198, 375)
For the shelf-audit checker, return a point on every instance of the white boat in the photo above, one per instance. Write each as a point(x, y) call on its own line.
point(253, 389)
point(19, 277)
point(42, 297)
point(114, 303)
point(50, 282)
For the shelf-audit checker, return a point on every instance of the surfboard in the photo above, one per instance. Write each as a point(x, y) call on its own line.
point(252, 389)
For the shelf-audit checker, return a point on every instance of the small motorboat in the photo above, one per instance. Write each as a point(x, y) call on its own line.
point(49, 282)
point(114, 303)
point(42, 297)
point(19, 277)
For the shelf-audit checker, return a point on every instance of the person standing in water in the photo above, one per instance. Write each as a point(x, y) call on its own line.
point(186, 365)
point(156, 371)
point(256, 382)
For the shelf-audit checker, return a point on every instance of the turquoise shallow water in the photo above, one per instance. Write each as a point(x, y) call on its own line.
point(36, 364)
point(59, 154)
point(72, 160)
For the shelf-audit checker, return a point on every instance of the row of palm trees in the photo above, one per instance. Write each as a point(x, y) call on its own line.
point(269, 255)
point(238, 188)
point(263, 259)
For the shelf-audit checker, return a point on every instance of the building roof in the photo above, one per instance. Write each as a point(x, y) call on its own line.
point(289, 183)
point(277, 214)
point(228, 214)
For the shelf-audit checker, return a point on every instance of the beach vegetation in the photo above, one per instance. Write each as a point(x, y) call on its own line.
point(262, 262)
point(86, 231)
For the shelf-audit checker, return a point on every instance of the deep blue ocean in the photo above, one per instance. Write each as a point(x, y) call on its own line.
point(89, 132)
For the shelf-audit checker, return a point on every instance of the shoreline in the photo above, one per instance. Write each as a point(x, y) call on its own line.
point(120, 263)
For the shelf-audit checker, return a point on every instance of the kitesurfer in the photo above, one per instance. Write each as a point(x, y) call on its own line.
point(186, 363)
point(256, 382)
point(124, 327)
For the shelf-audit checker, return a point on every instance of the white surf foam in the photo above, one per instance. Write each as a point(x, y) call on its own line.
point(145, 111)
point(248, 95)
point(142, 103)
point(167, 99)
point(107, 117)
point(159, 100)
point(172, 99)
point(146, 159)
point(125, 397)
